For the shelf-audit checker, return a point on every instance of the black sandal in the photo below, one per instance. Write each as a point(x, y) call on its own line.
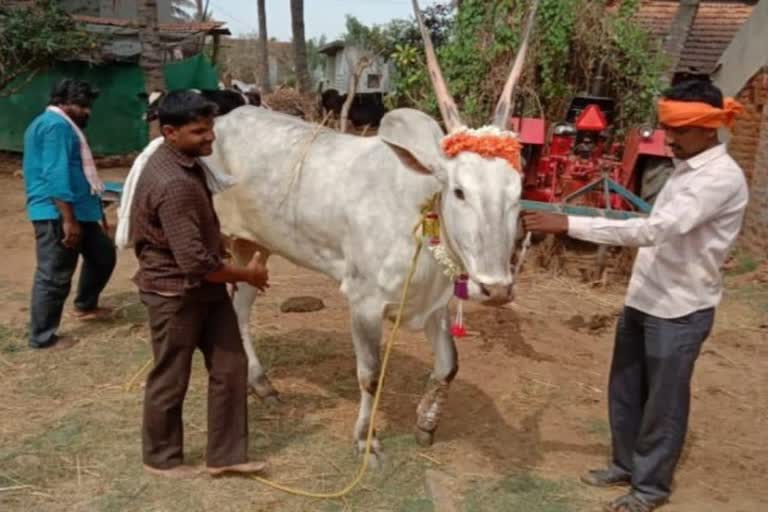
point(605, 478)
point(630, 503)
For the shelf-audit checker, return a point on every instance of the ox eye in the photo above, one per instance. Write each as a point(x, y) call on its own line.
point(459, 194)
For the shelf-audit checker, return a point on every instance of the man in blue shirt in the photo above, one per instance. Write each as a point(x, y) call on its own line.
point(66, 212)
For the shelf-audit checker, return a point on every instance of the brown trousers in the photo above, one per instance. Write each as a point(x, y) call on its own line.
point(203, 319)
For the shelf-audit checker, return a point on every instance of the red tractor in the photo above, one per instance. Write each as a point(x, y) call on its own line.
point(579, 168)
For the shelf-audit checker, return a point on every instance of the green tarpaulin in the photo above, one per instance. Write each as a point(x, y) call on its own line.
point(116, 125)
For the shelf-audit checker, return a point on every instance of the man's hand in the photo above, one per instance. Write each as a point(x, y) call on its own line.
point(72, 233)
point(256, 273)
point(551, 223)
point(105, 224)
point(70, 226)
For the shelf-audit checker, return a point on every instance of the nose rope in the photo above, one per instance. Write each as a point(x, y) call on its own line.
point(523, 253)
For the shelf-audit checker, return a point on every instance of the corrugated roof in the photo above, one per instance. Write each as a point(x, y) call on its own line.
point(713, 29)
point(332, 47)
point(208, 26)
point(112, 22)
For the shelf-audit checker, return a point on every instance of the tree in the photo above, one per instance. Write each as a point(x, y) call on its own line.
point(151, 60)
point(265, 84)
point(181, 10)
point(202, 10)
point(316, 59)
point(300, 46)
point(681, 27)
point(32, 36)
point(571, 40)
point(400, 42)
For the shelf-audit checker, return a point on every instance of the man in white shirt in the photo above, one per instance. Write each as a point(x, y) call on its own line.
point(674, 289)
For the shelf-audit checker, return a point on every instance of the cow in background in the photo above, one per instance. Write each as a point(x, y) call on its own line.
point(366, 109)
point(226, 100)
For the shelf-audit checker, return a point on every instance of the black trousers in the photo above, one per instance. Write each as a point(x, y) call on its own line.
point(56, 265)
point(650, 395)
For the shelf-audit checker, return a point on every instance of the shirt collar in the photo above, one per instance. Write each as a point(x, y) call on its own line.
point(701, 159)
point(180, 158)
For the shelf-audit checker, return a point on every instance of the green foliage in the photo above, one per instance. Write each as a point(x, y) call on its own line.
point(32, 36)
point(314, 57)
point(638, 65)
point(555, 25)
point(573, 41)
point(400, 42)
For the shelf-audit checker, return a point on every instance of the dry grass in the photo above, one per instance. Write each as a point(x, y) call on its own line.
point(70, 432)
point(525, 415)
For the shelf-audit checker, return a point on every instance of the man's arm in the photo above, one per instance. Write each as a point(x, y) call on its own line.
point(55, 157)
point(692, 206)
point(254, 274)
point(182, 224)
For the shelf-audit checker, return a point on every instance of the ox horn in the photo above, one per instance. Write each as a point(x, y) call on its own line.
point(448, 108)
point(504, 108)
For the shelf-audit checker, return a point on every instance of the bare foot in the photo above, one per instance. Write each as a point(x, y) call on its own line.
point(93, 314)
point(178, 472)
point(245, 468)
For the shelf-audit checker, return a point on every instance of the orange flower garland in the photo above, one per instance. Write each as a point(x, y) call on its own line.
point(485, 143)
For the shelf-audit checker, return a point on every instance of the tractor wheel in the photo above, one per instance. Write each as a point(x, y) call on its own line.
point(654, 175)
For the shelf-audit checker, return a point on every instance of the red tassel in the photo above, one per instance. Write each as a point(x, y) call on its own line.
point(457, 329)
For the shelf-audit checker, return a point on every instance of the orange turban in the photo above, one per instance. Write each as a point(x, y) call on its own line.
point(703, 115)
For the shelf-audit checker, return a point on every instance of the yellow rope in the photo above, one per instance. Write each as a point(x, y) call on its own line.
point(129, 385)
point(371, 424)
point(369, 438)
point(384, 364)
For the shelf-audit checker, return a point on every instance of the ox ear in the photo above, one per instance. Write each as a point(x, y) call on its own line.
point(416, 138)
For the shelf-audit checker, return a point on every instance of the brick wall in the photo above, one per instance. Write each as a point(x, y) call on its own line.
point(749, 146)
point(746, 132)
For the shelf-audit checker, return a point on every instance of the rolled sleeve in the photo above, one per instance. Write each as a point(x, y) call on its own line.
point(57, 146)
point(182, 222)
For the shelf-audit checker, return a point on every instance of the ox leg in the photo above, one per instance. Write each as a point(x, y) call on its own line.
point(446, 367)
point(366, 336)
point(243, 299)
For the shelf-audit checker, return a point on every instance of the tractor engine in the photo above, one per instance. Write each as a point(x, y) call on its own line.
point(577, 156)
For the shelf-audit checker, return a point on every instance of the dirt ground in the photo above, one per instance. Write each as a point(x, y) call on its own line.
point(526, 414)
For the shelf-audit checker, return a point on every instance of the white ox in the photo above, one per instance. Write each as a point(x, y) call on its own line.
point(346, 206)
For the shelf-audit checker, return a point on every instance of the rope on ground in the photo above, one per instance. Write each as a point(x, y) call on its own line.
point(374, 409)
point(132, 381)
point(377, 397)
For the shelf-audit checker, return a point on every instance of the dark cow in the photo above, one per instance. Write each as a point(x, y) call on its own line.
point(366, 108)
point(226, 100)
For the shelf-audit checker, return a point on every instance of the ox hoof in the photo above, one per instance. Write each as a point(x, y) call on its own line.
point(424, 438)
point(376, 457)
point(272, 400)
point(263, 388)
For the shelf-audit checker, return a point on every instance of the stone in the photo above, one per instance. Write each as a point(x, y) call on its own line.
point(302, 305)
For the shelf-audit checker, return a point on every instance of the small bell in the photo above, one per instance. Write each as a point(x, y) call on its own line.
point(431, 228)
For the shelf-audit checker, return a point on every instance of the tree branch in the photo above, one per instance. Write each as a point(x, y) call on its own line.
point(5, 82)
point(363, 63)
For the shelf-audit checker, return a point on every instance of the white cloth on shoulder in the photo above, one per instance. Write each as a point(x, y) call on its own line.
point(89, 164)
point(217, 182)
